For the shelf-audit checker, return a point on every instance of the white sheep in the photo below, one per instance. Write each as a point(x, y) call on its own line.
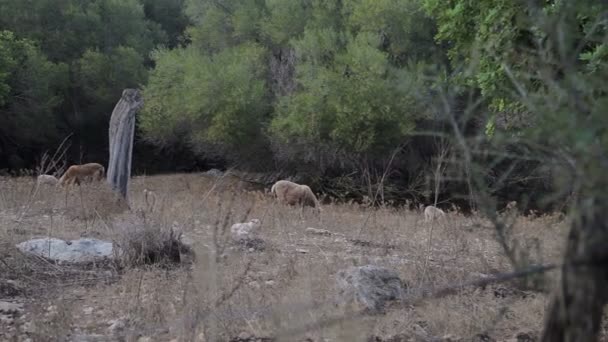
point(150, 199)
point(432, 213)
point(246, 230)
point(47, 180)
point(291, 193)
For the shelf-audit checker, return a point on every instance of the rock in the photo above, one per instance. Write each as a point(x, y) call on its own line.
point(5, 319)
point(10, 308)
point(483, 337)
point(28, 328)
point(89, 338)
point(117, 325)
point(244, 231)
point(396, 338)
point(526, 337)
point(75, 251)
point(214, 173)
point(10, 288)
point(302, 251)
point(316, 231)
point(370, 286)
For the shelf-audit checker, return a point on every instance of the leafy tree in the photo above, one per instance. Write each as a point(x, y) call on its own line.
point(549, 59)
point(352, 67)
point(171, 17)
point(357, 103)
point(219, 99)
point(102, 77)
point(31, 88)
point(105, 45)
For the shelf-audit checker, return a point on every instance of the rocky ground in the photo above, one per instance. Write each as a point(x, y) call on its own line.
point(353, 274)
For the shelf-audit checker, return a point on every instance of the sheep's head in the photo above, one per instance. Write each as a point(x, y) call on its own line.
point(255, 222)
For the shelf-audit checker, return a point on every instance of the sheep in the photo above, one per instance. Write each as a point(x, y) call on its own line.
point(47, 180)
point(291, 193)
point(511, 205)
point(78, 173)
point(432, 213)
point(244, 231)
point(150, 199)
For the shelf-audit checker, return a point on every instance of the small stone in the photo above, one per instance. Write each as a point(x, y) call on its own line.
point(144, 339)
point(116, 325)
point(51, 310)
point(88, 310)
point(526, 337)
point(28, 328)
point(244, 336)
point(270, 282)
point(303, 251)
point(6, 319)
point(316, 231)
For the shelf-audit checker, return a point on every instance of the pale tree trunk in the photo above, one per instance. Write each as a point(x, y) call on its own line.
point(575, 312)
point(122, 129)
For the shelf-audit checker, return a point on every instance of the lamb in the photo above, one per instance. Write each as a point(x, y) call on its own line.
point(78, 173)
point(291, 193)
point(432, 213)
point(47, 180)
point(150, 199)
point(245, 231)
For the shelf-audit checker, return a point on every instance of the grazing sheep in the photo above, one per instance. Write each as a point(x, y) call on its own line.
point(150, 199)
point(511, 205)
point(291, 193)
point(432, 213)
point(47, 180)
point(78, 173)
point(244, 231)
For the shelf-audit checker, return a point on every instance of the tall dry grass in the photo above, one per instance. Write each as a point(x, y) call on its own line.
point(285, 290)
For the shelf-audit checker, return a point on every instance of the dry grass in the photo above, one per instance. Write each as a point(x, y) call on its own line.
point(286, 290)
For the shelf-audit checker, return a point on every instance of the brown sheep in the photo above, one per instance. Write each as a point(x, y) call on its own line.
point(78, 173)
point(291, 193)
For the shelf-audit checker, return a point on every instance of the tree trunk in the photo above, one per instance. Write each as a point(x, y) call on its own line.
point(122, 128)
point(575, 312)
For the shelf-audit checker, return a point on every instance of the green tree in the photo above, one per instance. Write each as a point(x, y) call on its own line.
point(171, 17)
point(351, 65)
point(209, 100)
point(549, 60)
point(105, 45)
point(31, 88)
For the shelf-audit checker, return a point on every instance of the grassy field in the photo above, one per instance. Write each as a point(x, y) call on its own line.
point(284, 289)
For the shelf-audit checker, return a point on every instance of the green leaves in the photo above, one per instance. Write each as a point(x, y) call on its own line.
point(354, 101)
point(218, 99)
point(30, 89)
point(350, 64)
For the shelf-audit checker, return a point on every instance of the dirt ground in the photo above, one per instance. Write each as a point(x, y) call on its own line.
point(283, 289)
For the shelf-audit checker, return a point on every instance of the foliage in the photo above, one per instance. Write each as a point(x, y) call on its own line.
point(98, 46)
point(30, 89)
point(354, 81)
point(217, 99)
